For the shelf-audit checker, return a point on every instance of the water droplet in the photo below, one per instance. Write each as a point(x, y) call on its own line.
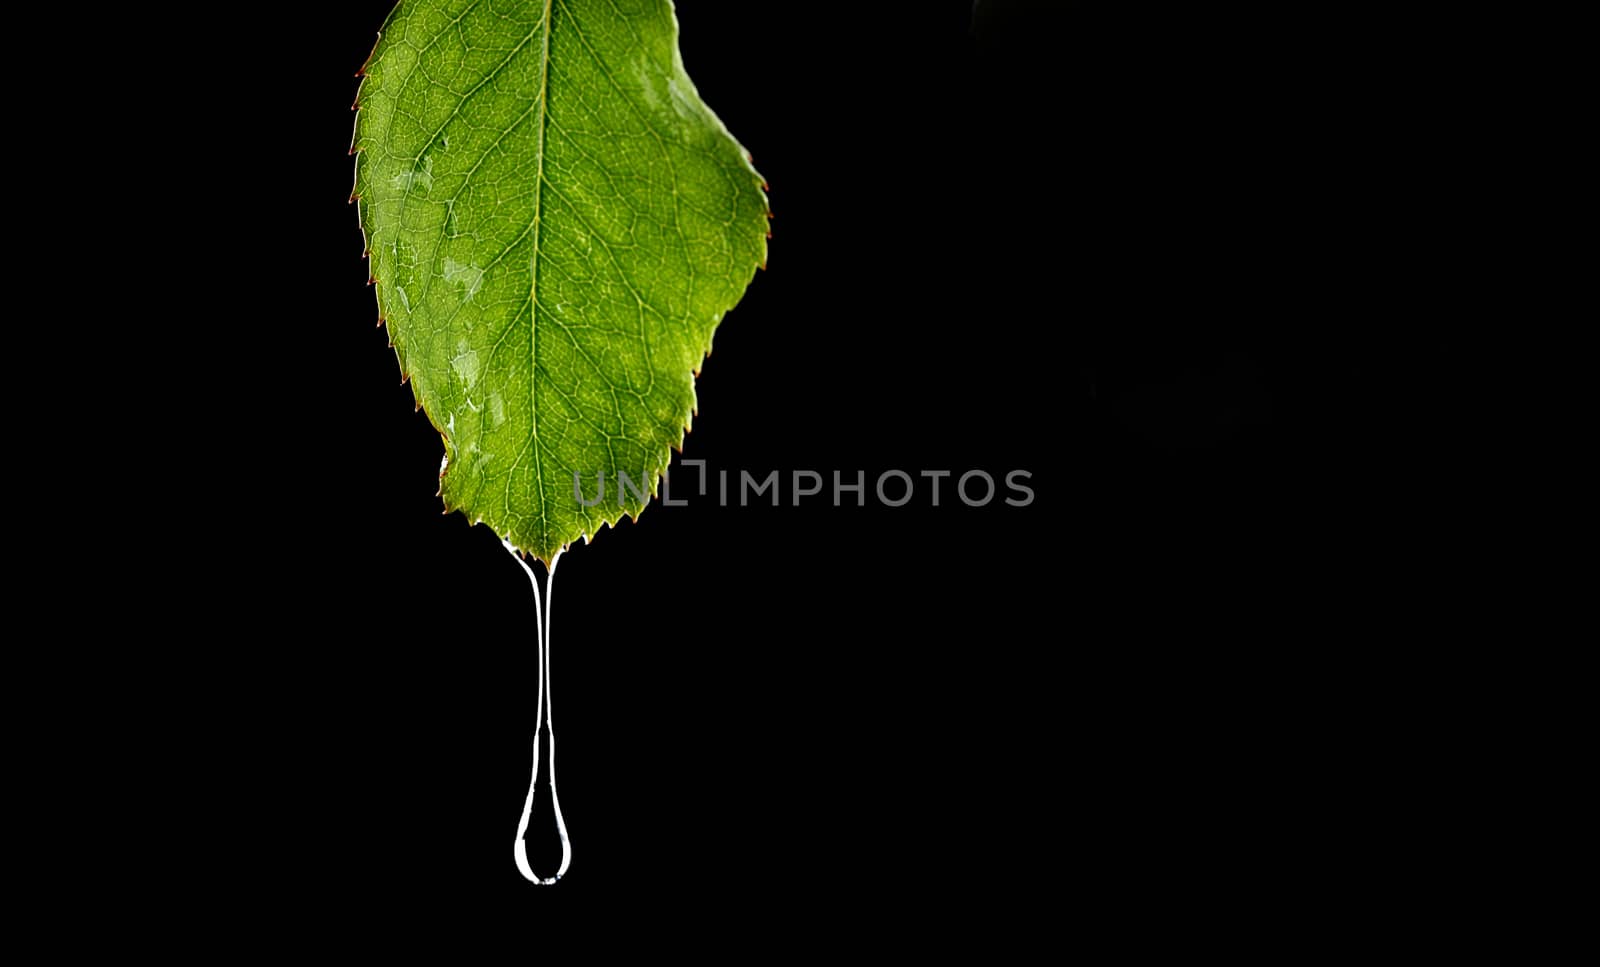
point(466, 365)
point(469, 276)
point(419, 178)
point(544, 737)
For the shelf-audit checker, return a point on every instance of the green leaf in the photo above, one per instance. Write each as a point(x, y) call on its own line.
point(556, 224)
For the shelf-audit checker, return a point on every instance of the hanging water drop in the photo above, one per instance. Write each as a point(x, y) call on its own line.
point(544, 736)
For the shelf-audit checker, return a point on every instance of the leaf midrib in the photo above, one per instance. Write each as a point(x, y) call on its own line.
point(533, 284)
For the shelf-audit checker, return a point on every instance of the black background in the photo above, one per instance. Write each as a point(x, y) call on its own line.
point(1088, 246)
